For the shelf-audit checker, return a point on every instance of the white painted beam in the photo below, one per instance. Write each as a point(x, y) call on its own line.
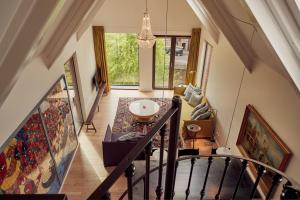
point(65, 30)
point(219, 13)
point(264, 13)
point(25, 29)
point(205, 18)
point(88, 18)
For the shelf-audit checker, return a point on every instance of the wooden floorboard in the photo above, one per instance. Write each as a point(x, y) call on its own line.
point(87, 170)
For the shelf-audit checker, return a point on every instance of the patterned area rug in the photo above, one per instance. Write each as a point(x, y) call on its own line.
point(125, 122)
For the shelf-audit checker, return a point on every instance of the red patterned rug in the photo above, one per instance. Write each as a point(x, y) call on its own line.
point(125, 122)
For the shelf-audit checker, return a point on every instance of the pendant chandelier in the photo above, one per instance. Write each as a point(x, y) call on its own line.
point(145, 38)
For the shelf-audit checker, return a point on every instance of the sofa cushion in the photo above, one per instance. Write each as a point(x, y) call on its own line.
point(195, 99)
point(189, 88)
point(188, 95)
point(205, 115)
point(200, 105)
point(200, 111)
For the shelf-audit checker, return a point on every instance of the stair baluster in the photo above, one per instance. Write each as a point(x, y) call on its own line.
point(172, 152)
point(244, 166)
point(187, 192)
point(148, 151)
point(227, 161)
point(260, 172)
point(202, 193)
point(276, 180)
point(129, 173)
point(159, 189)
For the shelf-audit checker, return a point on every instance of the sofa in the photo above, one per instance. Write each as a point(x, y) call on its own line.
point(114, 151)
point(207, 125)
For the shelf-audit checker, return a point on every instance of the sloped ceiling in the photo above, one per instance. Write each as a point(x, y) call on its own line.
point(243, 32)
point(248, 26)
point(126, 16)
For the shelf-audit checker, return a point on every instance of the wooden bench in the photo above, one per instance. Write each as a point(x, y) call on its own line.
point(89, 120)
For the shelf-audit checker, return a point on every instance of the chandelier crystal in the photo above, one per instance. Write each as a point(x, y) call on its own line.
point(145, 38)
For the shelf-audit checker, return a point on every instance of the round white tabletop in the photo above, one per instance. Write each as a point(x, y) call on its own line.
point(144, 109)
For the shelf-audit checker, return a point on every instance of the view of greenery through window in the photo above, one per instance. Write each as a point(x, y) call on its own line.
point(122, 58)
point(161, 75)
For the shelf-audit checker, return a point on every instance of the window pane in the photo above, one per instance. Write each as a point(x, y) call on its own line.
point(162, 49)
point(181, 57)
point(122, 58)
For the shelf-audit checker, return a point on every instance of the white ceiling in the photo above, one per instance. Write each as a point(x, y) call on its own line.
point(7, 11)
point(242, 17)
point(126, 16)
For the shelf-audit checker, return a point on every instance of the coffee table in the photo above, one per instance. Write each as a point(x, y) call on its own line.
point(144, 109)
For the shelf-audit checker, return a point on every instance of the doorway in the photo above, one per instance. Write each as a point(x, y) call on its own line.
point(72, 84)
point(205, 66)
point(174, 51)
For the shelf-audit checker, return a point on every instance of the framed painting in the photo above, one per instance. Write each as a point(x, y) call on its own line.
point(26, 163)
point(257, 140)
point(59, 124)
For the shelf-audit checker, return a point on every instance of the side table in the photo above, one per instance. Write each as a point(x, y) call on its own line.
point(192, 130)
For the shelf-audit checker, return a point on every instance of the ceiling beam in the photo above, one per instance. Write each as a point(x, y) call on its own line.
point(231, 30)
point(205, 18)
point(281, 30)
point(87, 20)
point(65, 30)
point(21, 36)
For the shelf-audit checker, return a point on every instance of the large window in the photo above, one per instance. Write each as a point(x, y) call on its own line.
point(122, 59)
point(174, 50)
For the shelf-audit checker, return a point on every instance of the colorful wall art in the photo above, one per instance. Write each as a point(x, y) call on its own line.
point(36, 157)
point(57, 115)
point(257, 140)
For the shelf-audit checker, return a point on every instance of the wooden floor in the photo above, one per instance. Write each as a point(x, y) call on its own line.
point(87, 170)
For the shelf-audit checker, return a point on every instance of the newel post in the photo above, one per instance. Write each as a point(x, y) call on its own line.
point(172, 149)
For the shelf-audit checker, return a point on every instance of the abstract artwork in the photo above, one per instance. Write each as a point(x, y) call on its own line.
point(57, 115)
point(26, 165)
point(258, 141)
point(36, 157)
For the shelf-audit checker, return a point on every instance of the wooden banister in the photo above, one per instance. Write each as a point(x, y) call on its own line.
point(102, 190)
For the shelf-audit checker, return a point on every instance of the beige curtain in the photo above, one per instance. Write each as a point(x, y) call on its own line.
point(100, 54)
point(193, 56)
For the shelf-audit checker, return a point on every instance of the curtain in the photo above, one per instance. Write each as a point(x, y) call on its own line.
point(193, 56)
point(100, 55)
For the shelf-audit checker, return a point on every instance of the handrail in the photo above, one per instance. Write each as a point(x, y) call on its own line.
point(291, 180)
point(131, 156)
point(293, 185)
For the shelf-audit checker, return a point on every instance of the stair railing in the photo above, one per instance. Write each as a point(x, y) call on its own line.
point(126, 165)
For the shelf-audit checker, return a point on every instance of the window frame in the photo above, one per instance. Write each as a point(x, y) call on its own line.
point(171, 62)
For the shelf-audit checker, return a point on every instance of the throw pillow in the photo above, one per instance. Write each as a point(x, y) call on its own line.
point(197, 108)
point(195, 99)
point(200, 111)
point(188, 89)
point(205, 115)
point(188, 95)
point(197, 90)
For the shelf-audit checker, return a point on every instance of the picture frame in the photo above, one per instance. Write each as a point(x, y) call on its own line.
point(257, 140)
point(27, 161)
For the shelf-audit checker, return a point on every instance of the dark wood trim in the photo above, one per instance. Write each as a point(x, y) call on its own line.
point(172, 61)
point(173, 39)
point(135, 152)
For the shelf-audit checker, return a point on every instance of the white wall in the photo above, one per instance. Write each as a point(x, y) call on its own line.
point(145, 69)
point(270, 93)
point(36, 80)
point(125, 16)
